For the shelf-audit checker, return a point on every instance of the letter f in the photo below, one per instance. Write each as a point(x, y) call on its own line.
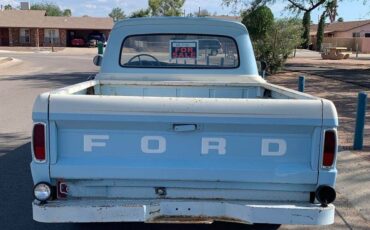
point(89, 141)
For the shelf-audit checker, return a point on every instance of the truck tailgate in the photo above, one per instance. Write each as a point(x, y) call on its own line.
point(185, 139)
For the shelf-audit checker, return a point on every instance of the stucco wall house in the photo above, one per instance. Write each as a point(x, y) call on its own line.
point(353, 35)
point(35, 28)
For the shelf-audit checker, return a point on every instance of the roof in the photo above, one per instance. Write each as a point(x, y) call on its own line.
point(38, 19)
point(340, 26)
point(78, 23)
point(180, 21)
point(21, 18)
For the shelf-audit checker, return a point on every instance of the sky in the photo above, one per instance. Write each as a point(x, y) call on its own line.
point(350, 10)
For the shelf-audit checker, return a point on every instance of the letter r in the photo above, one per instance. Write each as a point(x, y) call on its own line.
point(213, 143)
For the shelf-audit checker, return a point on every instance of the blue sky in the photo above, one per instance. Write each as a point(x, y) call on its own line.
point(348, 9)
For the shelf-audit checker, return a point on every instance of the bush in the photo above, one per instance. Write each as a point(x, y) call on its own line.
point(275, 48)
point(273, 41)
point(259, 21)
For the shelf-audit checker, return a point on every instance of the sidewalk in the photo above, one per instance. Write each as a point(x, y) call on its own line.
point(4, 60)
point(49, 50)
point(313, 57)
point(353, 181)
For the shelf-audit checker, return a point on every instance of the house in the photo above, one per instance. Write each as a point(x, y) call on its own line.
point(351, 34)
point(35, 28)
point(226, 17)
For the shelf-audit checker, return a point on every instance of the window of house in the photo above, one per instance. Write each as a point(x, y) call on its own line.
point(356, 35)
point(24, 36)
point(51, 36)
point(367, 35)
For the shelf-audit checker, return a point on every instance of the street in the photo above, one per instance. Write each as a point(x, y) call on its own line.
point(26, 77)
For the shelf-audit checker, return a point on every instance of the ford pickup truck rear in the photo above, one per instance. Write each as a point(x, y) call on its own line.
point(171, 132)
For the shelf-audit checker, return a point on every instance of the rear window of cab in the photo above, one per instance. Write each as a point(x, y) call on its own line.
point(179, 51)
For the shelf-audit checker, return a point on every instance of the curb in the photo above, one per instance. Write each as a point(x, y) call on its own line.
point(5, 60)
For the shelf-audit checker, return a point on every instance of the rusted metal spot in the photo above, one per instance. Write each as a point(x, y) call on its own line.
point(194, 219)
point(181, 220)
point(154, 212)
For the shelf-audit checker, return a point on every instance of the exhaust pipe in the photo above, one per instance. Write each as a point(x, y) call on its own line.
point(325, 195)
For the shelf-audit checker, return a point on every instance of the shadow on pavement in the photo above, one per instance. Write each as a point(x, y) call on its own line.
point(359, 77)
point(50, 80)
point(16, 197)
point(9, 141)
point(141, 226)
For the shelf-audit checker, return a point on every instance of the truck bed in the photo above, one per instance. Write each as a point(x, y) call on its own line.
point(194, 89)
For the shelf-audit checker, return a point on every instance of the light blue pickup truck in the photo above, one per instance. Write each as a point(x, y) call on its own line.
point(178, 126)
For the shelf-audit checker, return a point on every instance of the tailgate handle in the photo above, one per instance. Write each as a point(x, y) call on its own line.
point(184, 127)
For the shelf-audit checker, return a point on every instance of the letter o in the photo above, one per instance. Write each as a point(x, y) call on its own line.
point(161, 144)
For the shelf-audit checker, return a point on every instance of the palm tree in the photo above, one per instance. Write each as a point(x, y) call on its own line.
point(331, 10)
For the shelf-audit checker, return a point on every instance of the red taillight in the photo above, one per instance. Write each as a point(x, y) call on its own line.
point(38, 142)
point(330, 144)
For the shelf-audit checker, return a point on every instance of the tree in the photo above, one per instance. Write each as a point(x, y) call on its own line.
point(301, 6)
point(252, 4)
point(306, 23)
point(297, 6)
point(67, 13)
point(259, 21)
point(340, 19)
point(202, 13)
point(117, 14)
point(8, 7)
point(140, 13)
point(331, 10)
point(320, 31)
point(51, 8)
point(166, 7)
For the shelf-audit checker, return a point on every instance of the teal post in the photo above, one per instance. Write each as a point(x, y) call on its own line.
point(301, 84)
point(360, 121)
point(100, 48)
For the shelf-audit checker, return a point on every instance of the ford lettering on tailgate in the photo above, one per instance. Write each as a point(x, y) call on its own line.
point(158, 145)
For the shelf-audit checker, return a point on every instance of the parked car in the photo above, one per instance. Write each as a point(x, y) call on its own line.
point(79, 42)
point(212, 45)
point(165, 135)
point(94, 38)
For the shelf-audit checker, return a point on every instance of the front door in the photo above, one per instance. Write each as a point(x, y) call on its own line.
point(4, 37)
